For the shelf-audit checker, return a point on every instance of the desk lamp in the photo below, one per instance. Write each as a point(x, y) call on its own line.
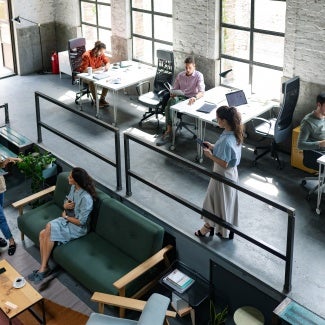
point(18, 20)
point(224, 73)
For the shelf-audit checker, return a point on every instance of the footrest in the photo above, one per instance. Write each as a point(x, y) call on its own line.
point(14, 141)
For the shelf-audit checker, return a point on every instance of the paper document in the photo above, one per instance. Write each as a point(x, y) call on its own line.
point(174, 92)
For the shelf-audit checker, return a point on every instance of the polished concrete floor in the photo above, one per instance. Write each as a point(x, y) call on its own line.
point(256, 218)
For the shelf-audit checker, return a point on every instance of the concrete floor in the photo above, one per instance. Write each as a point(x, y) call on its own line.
point(256, 218)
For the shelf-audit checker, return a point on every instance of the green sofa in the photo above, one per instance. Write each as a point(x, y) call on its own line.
point(121, 254)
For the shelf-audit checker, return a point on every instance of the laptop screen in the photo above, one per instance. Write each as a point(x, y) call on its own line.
point(236, 98)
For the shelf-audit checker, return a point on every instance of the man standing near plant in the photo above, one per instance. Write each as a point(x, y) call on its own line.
point(3, 221)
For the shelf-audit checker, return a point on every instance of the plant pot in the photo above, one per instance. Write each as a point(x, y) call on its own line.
point(48, 165)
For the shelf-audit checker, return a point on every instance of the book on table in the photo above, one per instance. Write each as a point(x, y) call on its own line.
point(178, 280)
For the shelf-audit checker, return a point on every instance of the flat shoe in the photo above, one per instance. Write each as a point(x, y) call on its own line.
point(3, 242)
point(37, 277)
point(12, 249)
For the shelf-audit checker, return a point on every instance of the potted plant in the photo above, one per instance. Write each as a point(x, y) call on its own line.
point(217, 318)
point(34, 166)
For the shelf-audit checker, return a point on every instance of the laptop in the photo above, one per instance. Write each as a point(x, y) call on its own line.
point(236, 98)
point(102, 75)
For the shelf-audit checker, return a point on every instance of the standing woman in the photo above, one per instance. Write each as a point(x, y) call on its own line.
point(73, 222)
point(221, 199)
point(3, 221)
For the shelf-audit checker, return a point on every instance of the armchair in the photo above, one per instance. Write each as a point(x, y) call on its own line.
point(154, 311)
point(76, 47)
point(278, 129)
point(156, 100)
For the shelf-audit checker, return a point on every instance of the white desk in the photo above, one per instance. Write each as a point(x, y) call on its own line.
point(255, 107)
point(321, 179)
point(126, 77)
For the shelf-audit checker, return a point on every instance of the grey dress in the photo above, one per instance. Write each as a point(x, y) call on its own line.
point(64, 231)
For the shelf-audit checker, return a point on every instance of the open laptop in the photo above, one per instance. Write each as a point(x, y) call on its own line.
point(236, 98)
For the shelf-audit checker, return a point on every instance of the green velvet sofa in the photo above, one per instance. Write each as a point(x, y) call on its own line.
point(122, 253)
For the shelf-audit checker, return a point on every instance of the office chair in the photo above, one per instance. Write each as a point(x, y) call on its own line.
point(310, 161)
point(155, 100)
point(278, 129)
point(76, 47)
point(154, 311)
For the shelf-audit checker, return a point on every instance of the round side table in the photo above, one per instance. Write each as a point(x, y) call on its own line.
point(248, 315)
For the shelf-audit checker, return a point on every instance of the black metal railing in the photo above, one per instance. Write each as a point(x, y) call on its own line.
point(5, 106)
point(40, 124)
point(287, 256)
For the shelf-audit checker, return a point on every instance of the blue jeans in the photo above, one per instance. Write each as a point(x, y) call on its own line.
point(3, 221)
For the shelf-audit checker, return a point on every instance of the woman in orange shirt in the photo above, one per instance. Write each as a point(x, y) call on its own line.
point(97, 60)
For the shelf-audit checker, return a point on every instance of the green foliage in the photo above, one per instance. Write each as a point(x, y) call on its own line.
point(217, 318)
point(32, 165)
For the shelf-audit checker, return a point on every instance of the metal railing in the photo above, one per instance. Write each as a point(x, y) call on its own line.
point(287, 257)
point(40, 124)
point(5, 106)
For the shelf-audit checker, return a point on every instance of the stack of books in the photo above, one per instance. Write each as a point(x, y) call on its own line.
point(178, 280)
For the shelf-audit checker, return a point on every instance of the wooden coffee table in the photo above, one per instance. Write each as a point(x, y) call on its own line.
point(15, 301)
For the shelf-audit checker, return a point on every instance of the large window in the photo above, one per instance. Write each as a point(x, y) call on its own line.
point(96, 22)
point(252, 44)
point(152, 28)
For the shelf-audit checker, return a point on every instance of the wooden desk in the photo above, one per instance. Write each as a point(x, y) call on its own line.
point(15, 301)
point(255, 107)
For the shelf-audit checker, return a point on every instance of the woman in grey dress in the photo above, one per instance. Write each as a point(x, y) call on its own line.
point(73, 222)
point(221, 199)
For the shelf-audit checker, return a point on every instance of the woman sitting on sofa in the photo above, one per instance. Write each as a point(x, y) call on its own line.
point(73, 222)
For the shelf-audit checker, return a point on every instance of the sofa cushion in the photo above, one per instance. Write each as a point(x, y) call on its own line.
point(62, 188)
point(128, 230)
point(94, 262)
point(33, 221)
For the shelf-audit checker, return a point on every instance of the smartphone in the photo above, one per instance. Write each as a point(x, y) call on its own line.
point(2, 270)
point(69, 201)
point(201, 143)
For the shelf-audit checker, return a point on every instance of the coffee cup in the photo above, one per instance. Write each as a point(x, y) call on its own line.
point(90, 71)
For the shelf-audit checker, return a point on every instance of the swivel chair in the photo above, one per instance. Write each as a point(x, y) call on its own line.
point(155, 100)
point(76, 47)
point(310, 161)
point(278, 129)
point(154, 311)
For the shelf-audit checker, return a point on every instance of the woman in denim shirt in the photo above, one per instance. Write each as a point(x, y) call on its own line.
point(221, 199)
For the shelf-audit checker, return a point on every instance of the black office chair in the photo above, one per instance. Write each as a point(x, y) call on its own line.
point(279, 128)
point(76, 47)
point(310, 161)
point(156, 100)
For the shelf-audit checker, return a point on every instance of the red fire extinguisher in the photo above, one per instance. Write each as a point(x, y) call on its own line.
point(55, 62)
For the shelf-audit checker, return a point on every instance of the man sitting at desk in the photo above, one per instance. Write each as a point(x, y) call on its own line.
point(312, 131)
point(98, 61)
point(191, 82)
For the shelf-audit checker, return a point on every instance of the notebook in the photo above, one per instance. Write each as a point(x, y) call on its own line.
point(207, 107)
point(102, 75)
point(236, 98)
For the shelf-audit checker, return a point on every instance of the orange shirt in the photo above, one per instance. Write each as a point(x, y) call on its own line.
point(88, 60)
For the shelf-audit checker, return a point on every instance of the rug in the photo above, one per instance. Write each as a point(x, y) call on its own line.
point(55, 315)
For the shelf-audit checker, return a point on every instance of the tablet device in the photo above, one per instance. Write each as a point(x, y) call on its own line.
point(207, 108)
point(236, 98)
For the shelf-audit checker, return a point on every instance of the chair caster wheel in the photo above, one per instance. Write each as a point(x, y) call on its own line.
point(318, 211)
point(172, 147)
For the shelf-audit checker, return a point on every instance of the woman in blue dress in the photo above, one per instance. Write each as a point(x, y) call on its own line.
point(221, 199)
point(73, 222)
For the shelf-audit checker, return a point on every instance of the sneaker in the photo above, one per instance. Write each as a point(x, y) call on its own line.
point(167, 137)
point(3, 242)
point(103, 102)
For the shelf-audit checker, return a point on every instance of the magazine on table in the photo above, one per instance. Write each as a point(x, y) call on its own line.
point(178, 280)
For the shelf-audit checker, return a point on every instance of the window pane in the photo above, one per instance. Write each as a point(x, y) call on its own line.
point(160, 46)
point(142, 4)
point(105, 1)
point(267, 82)
point(270, 15)
point(142, 50)
point(142, 24)
point(268, 49)
point(88, 13)
point(90, 34)
point(235, 43)
point(104, 16)
point(163, 28)
point(165, 6)
point(236, 12)
point(105, 37)
point(238, 77)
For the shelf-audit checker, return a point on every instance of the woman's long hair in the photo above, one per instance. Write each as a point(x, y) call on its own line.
point(232, 116)
point(98, 46)
point(83, 179)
